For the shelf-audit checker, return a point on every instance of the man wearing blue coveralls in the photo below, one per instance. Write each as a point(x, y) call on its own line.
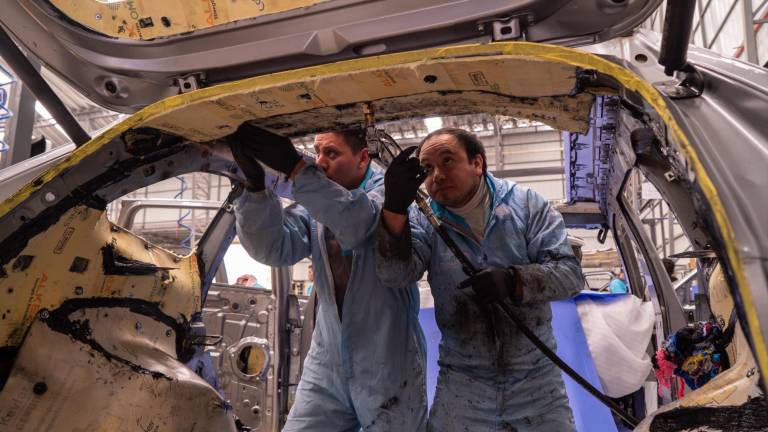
point(491, 377)
point(365, 367)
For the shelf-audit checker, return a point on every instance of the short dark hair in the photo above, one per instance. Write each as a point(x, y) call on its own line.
point(472, 144)
point(354, 137)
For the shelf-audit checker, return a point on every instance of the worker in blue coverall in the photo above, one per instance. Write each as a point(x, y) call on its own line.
point(491, 377)
point(365, 367)
point(618, 284)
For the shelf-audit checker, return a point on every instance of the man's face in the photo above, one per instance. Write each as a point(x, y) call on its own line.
point(338, 160)
point(452, 178)
point(246, 280)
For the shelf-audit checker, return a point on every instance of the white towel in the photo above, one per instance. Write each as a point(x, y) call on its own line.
point(618, 330)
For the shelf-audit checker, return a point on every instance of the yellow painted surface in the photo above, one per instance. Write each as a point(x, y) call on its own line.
point(149, 19)
point(89, 392)
point(197, 100)
point(487, 76)
point(82, 232)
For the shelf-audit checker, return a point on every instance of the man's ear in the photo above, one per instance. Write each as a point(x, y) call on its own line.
point(477, 164)
point(365, 158)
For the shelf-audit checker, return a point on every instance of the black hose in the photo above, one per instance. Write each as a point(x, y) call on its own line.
point(678, 22)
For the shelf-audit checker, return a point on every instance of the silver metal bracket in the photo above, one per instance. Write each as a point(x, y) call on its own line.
point(670, 176)
point(189, 83)
point(688, 83)
point(505, 29)
point(380, 145)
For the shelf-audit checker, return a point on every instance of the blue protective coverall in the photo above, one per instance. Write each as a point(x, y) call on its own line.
point(492, 378)
point(365, 370)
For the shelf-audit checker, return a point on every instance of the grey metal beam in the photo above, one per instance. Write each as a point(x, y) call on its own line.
point(750, 40)
point(702, 13)
point(18, 128)
point(30, 76)
point(701, 23)
point(129, 207)
point(498, 141)
point(722, 24)
point(527, 172)
point(759, 8)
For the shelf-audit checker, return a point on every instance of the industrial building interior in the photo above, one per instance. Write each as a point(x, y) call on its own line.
point(249, 303)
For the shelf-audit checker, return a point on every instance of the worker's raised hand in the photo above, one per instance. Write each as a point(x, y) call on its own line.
point(275, 151)
point(249, 165)
point(402, 181)
point(494, 284)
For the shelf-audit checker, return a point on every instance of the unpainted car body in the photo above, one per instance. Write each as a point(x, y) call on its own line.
point(123, 337)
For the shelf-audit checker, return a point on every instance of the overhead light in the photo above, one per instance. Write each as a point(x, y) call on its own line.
point(433, 123)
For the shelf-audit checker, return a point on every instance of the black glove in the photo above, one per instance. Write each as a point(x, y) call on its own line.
point(494, 284)
point(402, 181)
point(275, 151)
point(254, 173)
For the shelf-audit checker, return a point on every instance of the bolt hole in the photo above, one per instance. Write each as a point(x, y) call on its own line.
point(40, 388)
point(187, 86)
point(110, 87)
point(166, 22)
point(430, 79)
point(235, 306)
point(641, 58)
point(252, 302)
